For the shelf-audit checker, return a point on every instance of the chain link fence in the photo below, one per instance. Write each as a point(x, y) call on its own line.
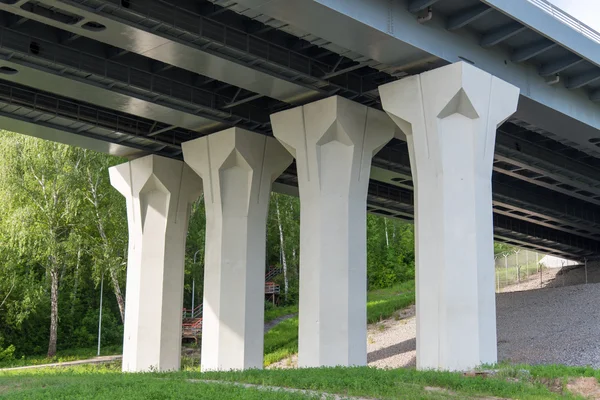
point(522, 269)
point(516, 267)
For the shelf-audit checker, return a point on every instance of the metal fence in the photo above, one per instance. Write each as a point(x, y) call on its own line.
point(517, 267)
point(526, 270)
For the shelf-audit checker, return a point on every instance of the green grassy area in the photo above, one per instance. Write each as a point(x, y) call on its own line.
point(62, 356)
point(106, 382)
point(276, 312)
point(282, 340)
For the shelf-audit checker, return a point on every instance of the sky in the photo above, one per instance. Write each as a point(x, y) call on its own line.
point(587, 11)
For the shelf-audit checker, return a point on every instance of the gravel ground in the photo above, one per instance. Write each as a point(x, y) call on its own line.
point(550, 326)
point(545, 326)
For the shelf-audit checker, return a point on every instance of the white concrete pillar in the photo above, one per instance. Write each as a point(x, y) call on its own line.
point(333, 141)
point(158, 192)
point(449, 116)
point(237, 168)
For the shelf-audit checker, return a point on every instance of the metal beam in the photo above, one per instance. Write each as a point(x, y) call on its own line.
point(465, 17)
point(344, 71)
point(560, 65)
point(586, 78)
point(548, 234)
point(269, 79)
point(526, 52)
point(545, 203)
point(504, 237)
point(501, 34)
point(595, 96)
point(547, 163)
point(418, 5)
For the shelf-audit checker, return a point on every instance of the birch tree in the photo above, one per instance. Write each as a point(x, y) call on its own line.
point(38, 182)
point(108, 220)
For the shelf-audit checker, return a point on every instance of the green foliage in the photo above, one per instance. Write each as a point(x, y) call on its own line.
point(390, 252)
point(502, 248)
point(86, 333)
point(62, 226)
point(7, 354)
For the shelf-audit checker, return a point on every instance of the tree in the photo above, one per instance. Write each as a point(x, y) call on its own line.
point(38, 186)
point(109, 220)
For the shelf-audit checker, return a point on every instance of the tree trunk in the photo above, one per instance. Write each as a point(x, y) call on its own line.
point(113, 274)
point(282, 246)
point(118, 293)
point(387, 238)
point(76, 284)
point(53, 311)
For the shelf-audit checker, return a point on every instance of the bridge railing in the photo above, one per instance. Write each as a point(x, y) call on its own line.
point(567, 19)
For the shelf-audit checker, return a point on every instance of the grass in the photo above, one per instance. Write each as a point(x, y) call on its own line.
point(282, 340)
point(62, 356)
point(106, 382)
point(277, 312)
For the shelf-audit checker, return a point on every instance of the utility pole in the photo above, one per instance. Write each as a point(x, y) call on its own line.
point(505, 269)
point(194, 284)
point(496, 276)
point(100, 316)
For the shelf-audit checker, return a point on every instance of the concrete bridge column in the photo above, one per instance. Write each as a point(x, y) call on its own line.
point(333, 141)
point(158, 192)
point(449, 116)
point(237, 168)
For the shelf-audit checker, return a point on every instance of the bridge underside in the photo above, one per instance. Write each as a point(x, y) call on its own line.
point(142, 77)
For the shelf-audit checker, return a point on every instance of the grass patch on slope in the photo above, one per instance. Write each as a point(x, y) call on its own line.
point(276, 312)
point(106, 382)
point(282, 340)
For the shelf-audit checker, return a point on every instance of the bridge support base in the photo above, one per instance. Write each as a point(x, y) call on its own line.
point(237, 168)
point(158, 192)
point(449, 116)
point(333, 141)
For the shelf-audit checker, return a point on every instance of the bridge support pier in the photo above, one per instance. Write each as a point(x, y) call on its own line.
point(237, 168)
point(333, 141)
point(449, 116)
point(158, 192)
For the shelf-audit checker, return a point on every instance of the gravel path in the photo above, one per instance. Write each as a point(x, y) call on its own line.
point(391, 343)
point(311, 393)
point(547, 326)
point(550, 326)
point(95, 360)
